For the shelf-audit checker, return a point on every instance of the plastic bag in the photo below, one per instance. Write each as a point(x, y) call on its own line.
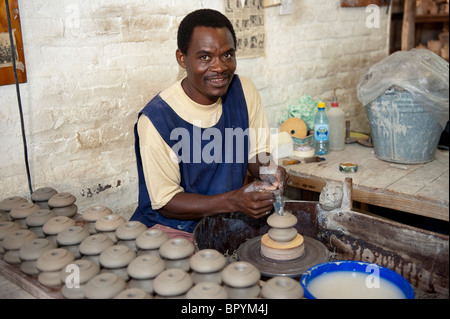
point(419, 71)
point(305, 110)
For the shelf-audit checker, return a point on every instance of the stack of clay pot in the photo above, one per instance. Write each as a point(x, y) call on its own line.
point(149, 241)
point(282, 242)
point(71, 238)
point(20, 212)
point(143, 270)
point(94, 245)
point(36, 220)
point(53, 226)
point(108, 225)
point(207, 265)
point(30, 252)
point(207, 290)
point(12, 243)
point(93, 213)
point(128, 232)
point(241, 280)
point(41, 196)
point(8, 203)
point(176, 253)
point(6, 227)
point(51, 263)
point(172, 283)
point(63, 204)
point(75, 276)
point(116, 259)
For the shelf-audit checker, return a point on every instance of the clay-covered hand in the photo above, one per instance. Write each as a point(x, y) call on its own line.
point(255, 199)
point(275, 175)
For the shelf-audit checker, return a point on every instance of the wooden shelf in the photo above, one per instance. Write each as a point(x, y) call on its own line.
point(432, 18)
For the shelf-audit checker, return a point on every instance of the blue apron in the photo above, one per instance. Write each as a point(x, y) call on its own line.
point(211, 160)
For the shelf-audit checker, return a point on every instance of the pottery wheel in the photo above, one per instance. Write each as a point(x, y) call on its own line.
point(315, 253)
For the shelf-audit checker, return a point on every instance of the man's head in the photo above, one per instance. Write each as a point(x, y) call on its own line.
point(206, 49)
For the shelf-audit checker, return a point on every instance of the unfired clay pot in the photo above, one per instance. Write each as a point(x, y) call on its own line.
point(128, 231)
point(240, 274)
point(287, 220)
point(133, 293)
point(94, 245)
point(5, 228)
point(176, 248)
point(93, 213)
point(145, 267)
point(172, 282)
point(104, 286)
point(61, 200)
point(282, 288)
point(243, 293)
point(31, 251)
point(50, 264)
point(8, 203)
point(41, 196)
point(87, 270)
point(68, 211)
point(20, 212)
point(207, 261)
point(3, 216)
point(108, 225)
point(36, 220)
point(282, 234)
point(71, 238)
point(117, 256)
point(12, 243)
point(149, 241)
point(57, 224)
point(207, 290)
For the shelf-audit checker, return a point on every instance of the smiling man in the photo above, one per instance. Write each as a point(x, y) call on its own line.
point(196, 140)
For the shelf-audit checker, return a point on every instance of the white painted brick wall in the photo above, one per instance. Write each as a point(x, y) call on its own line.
point(92, 65)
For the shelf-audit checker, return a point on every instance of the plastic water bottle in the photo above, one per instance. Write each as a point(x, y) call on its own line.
point(337, 126)
point(321, 131)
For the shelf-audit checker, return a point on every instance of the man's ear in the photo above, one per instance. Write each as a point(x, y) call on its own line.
point(180, 58)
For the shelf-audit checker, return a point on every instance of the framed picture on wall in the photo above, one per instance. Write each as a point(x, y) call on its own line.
point(6, 62)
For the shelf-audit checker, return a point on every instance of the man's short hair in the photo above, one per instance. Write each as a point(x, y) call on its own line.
point(201, 18)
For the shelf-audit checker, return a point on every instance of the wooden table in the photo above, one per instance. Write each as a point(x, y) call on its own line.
point(421, 189)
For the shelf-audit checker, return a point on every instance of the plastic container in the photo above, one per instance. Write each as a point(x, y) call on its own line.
point(402, 132)
point(337, 126)
point(372, 270)
point(321, 131)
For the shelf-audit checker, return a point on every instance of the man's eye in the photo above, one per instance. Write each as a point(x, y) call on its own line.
point(204, 57)
point(228, 55)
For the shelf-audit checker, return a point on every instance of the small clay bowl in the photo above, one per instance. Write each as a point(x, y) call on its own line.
point(109, 223)
point(145, 267)
point(104, 286)
point(133, 293)
point(287, 220)
point(54, 260)
point(172, 282)
point(38, 218)
point(282, 288)
point(176, 248)
point(240, 274)
point(130, 230)
point(151, 239)
point(95, 244)
point(117, 256)
point(207, 261)
point(207, 290)
point(61, 200)
point(72, 235)
point(9, 203)
point(57, 224)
